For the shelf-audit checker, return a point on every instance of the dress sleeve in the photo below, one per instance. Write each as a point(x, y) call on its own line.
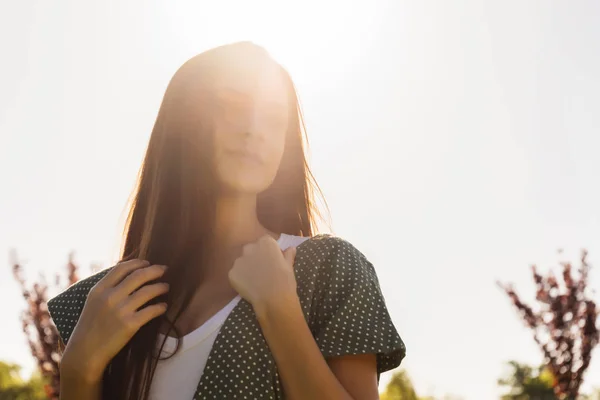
point(352, 317)
point(66, 307)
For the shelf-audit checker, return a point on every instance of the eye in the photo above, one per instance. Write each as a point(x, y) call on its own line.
point(231, 114)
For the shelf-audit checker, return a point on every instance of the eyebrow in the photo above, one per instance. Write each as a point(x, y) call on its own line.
point(233, 94)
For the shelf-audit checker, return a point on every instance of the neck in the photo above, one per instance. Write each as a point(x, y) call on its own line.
point(236, 222)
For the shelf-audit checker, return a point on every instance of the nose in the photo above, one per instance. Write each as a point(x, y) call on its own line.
point(254, 130)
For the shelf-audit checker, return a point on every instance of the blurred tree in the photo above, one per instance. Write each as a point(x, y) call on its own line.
point(564, 327)
point(40, 332)
point(528, 383)
point(399, 388)
point(12, 387)
point(445, 397)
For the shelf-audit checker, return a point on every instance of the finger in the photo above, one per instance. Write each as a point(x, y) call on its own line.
point(269, 240)
point(266, 239)
point(120, 272)
point(247, 248)
point(148, 313)
point(139, 277)
point(145, 294)
point(289, 254)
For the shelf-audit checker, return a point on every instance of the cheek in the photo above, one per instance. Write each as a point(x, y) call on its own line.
point(264, 175)
point(275, 155)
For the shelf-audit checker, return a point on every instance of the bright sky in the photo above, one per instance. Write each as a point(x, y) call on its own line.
point(456, 143)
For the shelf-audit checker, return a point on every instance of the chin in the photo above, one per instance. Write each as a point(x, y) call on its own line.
point(246, 186)
point(246, 181)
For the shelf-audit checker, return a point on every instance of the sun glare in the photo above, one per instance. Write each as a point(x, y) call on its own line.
point(295, 34)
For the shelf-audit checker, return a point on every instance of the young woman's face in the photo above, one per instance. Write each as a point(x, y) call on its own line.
point(250, 125)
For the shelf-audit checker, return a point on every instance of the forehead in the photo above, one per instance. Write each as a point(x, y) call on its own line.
point(259, 84)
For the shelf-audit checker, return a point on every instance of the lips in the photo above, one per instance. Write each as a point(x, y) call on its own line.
point(246, 156)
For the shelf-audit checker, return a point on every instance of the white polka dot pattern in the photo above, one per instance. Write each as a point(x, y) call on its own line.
point(66, 307)
point(349, 315)
point(342, 303)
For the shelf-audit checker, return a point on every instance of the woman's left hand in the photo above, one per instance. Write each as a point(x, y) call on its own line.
point(263, 273)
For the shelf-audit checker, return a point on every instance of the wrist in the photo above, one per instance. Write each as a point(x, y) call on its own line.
point(74, 370)
point(271, 307)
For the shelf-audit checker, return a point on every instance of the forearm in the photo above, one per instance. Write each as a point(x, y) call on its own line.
point(303, 369)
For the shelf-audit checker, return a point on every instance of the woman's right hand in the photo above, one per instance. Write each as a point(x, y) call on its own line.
point(111, 316)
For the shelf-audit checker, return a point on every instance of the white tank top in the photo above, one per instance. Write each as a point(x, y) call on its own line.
point(177, 377)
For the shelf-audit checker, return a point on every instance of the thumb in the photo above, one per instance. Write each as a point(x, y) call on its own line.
point(289, 254)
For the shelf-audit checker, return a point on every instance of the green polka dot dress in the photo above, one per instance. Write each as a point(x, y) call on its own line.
point(342, 304)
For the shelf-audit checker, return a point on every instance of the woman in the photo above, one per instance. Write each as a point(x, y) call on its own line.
point(223, 292)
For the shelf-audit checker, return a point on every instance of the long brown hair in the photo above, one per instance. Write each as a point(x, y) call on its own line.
point(172, 214)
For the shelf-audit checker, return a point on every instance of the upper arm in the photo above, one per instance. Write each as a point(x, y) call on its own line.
point(357, 374)
point(352, 325)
